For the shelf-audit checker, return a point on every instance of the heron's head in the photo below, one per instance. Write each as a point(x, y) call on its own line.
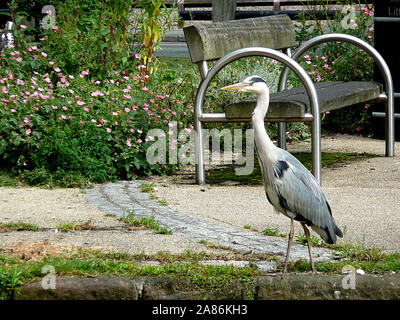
point(254, 84)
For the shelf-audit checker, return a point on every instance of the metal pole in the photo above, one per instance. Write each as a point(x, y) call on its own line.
point(282, 125)
point(199, 140)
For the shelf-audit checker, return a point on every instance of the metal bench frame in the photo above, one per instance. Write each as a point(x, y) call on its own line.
point(388, 96)
point(291, 65)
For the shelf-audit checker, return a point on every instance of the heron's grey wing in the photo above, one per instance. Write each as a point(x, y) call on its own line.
point(301, 194)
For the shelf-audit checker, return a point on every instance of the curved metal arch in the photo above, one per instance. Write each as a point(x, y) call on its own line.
point(291, 64)
point(383, 67)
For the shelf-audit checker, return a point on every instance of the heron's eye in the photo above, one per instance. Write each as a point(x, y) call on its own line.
point(252, 83)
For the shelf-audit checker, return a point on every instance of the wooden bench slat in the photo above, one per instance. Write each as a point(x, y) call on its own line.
point(207, 42)
point(295, 103)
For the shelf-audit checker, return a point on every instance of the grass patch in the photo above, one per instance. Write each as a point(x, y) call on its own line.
point(18, 226)
point(302, 239)
point(93, 263)
point(8, 179)
point(149, 223)
point(76, 226)
point(369, 259)
point(274, 232)
point(204, 278)
point(150, 188)
point(329, 160)
point(212, 245)
point(147, 187)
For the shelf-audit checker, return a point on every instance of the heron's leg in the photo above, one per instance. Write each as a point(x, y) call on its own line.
point(307, 232)
point(291, 233)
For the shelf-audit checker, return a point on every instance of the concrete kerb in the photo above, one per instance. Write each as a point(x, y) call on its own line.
point(268, 287)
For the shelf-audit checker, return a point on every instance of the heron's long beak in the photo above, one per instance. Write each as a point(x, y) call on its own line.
point(236, 86)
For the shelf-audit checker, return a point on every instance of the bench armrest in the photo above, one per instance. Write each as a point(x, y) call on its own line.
point(378, 60)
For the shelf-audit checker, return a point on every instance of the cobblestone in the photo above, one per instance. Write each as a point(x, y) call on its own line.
point(122, 197)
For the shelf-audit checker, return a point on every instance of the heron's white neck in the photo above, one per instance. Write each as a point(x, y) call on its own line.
point(262, 140)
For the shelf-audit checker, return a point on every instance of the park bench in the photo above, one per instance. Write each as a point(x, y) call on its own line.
point(273, 37)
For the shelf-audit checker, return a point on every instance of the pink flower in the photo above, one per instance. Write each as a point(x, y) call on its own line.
point(139, 141)
point(137, 55)
point(44, 54)
point(80, 103)
point(129, 142)
point(28, 131)
point(51, 63)
point(86, 109)
point(19, 59)
point(22, 26)
point(108, 130)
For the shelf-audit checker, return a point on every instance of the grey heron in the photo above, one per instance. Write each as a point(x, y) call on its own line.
point(289, 186)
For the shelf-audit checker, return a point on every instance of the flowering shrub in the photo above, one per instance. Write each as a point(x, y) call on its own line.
point(342, 61)
point(64, 127)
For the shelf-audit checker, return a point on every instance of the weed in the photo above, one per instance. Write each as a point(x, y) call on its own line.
point(18, 226)
point(147, 222)
point(302, 239)
point(147, 187)
point(76, 226)
point(163, 202)
point(212, 245)
point(273, 232)
point(9, 280)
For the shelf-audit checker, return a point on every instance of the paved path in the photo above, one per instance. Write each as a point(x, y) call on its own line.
point(365, 197)
point(122, 197)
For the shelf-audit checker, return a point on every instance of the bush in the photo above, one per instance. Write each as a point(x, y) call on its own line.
point(56, 126)
point(341, 61)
